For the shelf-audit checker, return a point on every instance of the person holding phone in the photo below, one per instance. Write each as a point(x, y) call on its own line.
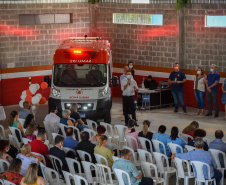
point(177, 79)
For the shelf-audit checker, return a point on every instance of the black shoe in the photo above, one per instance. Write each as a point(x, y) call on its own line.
point(208, 114)
point(185, 112)
point(215, 116)
point(175, 110)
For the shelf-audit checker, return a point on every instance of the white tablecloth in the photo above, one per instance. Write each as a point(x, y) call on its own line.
point(2, 113)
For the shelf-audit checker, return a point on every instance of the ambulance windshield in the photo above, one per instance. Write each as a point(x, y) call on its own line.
point(80, 75)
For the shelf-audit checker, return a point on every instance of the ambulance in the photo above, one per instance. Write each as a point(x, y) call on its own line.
point(82, 74)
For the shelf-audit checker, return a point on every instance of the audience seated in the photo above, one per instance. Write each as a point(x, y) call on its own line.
point(190, 129)
point(29, 134)
point(13, 117)
point(53, 119)
point(58, 152)
point(203, 156)
point(132, 132)
point(100, 131)
point(87, 146)
point(70, 142)
point(126, 165)
point(4, 147)
point(25, 111)
point(39, 147)
point(65, 120)
point(31, 177)
point(101, 149)
point(29, 119)
point(199, 133)
point(161, 136)
point(176, 140)
point(26, 158)
point(218, 144)
point(145, 133)
point(75, 115)
point(13, 174)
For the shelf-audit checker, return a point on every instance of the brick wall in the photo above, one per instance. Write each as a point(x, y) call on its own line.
point(34, 45)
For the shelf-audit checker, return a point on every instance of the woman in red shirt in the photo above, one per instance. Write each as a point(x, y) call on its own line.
point(190, 129)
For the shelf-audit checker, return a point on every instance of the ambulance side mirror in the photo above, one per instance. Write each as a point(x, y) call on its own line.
point(115, 81)
point(47, 79)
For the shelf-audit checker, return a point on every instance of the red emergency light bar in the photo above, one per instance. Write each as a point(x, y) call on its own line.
point(77, 51)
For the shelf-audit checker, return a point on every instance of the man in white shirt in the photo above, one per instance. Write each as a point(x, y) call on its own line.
point(128, 86)
point(53, 119)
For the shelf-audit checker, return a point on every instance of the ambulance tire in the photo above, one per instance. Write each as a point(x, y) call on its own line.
point(107, 118)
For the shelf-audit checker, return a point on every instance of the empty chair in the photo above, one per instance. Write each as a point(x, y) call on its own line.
point(55, 161)
point(132, 142)
point(71, 162)
point(164, 171)
point(120, 129)
point(189, 148)
point(186, 137)
point(119, 174)
point(146, 168)
point(63, 128)
point(109, 131)
point(101, 159)
point(53, 137)
point(48, 129)
point(181, 174)
point(157, 144)
point(88, 167)
point(21, 121)
point(175, 148)
point(143, 142)
point(78, 180)
point(52, 176)
point(199, 176)
point(14, 141)
point(83, 155)
point(43, 158)
point(90, 131)
point(134, 158)
point(13, 130)
point(144, 155)
point(25, 140)
point(92, 125)
point(4, 165)
point(2, 132)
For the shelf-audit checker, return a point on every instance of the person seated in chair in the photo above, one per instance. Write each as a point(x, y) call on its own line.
point(95, 74)
point(149, 82)
point(69, 75)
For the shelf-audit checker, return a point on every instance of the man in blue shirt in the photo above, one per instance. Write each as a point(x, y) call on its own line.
point(126, 165)
point(69, 141)
point(212, 81)
point(203, 156)
point(177, 79)
point(26, 110)
point(218, 144)
point(161, 136)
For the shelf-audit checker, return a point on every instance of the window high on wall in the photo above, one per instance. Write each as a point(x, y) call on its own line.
point(141, 19)
point(140, 1)
point(215, 21)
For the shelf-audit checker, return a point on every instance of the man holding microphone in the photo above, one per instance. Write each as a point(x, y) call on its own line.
point(128, 86)
point(177, 78)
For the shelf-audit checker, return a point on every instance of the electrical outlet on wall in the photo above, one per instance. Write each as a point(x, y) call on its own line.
point(11, 65)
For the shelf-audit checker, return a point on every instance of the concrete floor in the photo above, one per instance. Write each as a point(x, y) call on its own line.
point(157, 117)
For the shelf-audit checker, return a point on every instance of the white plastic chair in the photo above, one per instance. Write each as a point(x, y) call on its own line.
point(2, 132)
point(83, 154)
point(94, 142)
point(186, 137)
point(47, 126)
point(143, 142)
point(3, 164)
point(62, 128)
point(157, 144)
point(109, 131)
point(100, 159)
point(14, 141)
point(144, 155)
point(216, 155)
point(199, 176)
point(189, 148)
point(181, 174)
point(112, 147)
point(92, 125)
point(131, 141)
point(173, 148)
point(53, 137)
point(76, 178)
point(119, 174)
point(134, 157)
point(5, 182)
point(13, 131)
point(26, 141)
point(146, 168)
point(104, 174)
point(42, 166)
point(78, 132)
point(54, 160)
point(207, 140)
point(1, 181)
point(66, 150)
point(22, 121)
point(91, 132)
point(43, 158)
point(120, 129)
point(88, 167)
point(164, 171)
point(115, 158)
point(70, 163)
point(52, 176)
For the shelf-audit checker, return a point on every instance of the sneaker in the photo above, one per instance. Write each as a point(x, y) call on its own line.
point(175, 110)
point(185, 112)
point(208, 114)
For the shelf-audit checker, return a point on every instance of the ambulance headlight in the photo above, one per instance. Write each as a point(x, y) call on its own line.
point(56, 92)
point(103, 92)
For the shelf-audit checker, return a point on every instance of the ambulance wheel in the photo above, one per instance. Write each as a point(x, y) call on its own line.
point(107, 118)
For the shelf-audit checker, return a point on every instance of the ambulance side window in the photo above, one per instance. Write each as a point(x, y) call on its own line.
point(109, 75)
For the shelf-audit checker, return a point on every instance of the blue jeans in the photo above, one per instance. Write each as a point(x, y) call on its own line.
point(81, 126)
point(218, 176)
point(200, 97)
point(178, 96)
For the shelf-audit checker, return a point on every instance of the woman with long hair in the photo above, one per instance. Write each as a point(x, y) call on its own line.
point(29, 119)
point(132, 132)
point(190, 129)
point(31, 177)
point(101, 149)
point(13, 117)
point(29, 134)
point(4, 148)
point(174, 138)
point(13, 174)
point(200, 90)
point(145, 132)
point(100, 131)
point(131, 68)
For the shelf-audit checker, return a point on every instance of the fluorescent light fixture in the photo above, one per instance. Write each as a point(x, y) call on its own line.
point(85, 108)
point(89, 104)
